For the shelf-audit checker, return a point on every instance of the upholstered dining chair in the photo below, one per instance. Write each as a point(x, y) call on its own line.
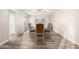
point(31, 31)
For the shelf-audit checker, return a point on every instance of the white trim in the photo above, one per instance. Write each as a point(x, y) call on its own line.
point(67, 37)
point(4, 42)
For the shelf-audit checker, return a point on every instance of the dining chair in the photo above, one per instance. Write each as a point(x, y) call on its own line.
point(39, 32)
point(31, 31)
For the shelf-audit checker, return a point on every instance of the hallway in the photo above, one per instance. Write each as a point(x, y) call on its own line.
point(56, 41)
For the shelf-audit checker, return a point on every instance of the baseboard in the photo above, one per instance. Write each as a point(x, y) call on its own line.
point(67, 38)
point(70, 40)
point(4, 42)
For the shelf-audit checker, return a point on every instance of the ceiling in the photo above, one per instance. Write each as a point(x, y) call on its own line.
point(39, 11)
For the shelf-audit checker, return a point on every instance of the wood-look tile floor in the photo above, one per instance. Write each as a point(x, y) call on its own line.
point(53, 41)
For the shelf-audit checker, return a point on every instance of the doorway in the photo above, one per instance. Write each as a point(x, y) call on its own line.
point(12, 28)
point(26, 20)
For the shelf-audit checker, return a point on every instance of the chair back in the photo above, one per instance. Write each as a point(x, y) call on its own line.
point(39, 28)
point(40, 31)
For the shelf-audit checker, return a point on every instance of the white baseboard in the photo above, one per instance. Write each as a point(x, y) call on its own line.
point(4, 42)
point(67, 37)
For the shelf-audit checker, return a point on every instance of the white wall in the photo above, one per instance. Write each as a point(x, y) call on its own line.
point(77, 26)
point(4, 25)
point(19, 21)
point(66, 23)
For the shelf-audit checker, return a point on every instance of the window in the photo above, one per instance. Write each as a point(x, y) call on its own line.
point(26, 19)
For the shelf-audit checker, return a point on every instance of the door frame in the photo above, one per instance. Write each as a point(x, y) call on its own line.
point(11, 11)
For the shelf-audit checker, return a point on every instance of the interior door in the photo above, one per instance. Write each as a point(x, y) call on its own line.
point(12, 23)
